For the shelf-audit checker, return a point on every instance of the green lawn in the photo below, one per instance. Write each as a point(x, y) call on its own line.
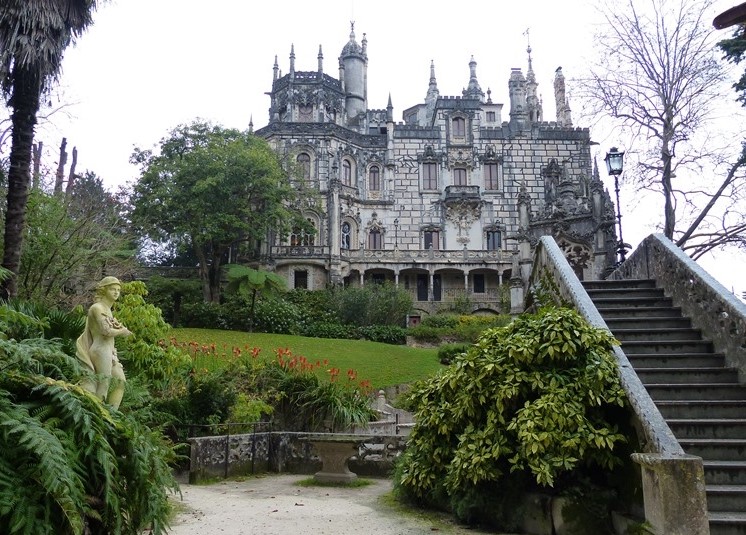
point(381, 364)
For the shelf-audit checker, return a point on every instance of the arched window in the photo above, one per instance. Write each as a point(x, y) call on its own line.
point(375, 239)
point(304, 165)
point(459, 126)
point(346, 173)
point(303, 237)
point(346, 236)
point(374, 178)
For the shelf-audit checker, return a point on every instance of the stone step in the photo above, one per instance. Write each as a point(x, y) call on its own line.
point(712, 428)
point(645, 322)
point(725, 449)
point(640, 304)
point(642, 361)
point(667, 346)
point(698, 392)
point(727, 523)
point(610, 312)
point(687, 375)
point(624, 293)
point(726, 498)
point(656, 334)
point(724, 472)
point(626, 283)
point(702, 409)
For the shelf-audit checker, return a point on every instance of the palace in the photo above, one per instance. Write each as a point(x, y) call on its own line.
point(446, 203)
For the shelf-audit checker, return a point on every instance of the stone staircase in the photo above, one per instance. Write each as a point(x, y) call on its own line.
point(698, 395)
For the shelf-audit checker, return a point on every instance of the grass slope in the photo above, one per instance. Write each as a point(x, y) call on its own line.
point(382, 364)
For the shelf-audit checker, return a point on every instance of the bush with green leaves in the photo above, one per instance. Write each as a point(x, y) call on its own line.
point(539, 397)
point(447, 352)
point(386, 334)
point(143, 353)
point(372, 304)
point(275, 315)
point(69, 465)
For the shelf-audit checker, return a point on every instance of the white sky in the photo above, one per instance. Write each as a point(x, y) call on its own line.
point(146, 66)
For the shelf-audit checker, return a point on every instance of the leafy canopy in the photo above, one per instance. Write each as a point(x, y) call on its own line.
point(211, 189)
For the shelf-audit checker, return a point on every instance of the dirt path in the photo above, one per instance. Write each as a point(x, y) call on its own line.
point(277, 505)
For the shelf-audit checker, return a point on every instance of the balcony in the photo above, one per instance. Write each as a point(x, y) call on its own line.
point(462, 194)
point(300, 251)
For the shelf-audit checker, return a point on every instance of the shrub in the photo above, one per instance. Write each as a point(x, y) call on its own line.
point(447, 352)
point(535, 397)
point(440, 321)
point(386, 334)
point(274, 315)
point(203, 315)
point(425, 333)
point(373, 304)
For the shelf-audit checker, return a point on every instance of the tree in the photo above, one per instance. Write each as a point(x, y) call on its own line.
point(659, 76)
point(33, 37)
point(212, 189)
point(248, 282)
point(73, 240)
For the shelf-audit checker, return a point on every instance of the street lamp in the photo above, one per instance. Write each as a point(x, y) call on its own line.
point(396, 233)
point(614, 165)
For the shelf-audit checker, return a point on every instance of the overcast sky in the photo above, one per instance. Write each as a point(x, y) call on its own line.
point(147, 66)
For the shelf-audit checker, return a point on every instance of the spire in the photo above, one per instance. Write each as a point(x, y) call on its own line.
point(389, 110)
point(275, 70)
point(292, 60)
point(365, 44)
point(321, 61)
point(251, 124)
point(473, 90)
point(432, 89)
point(533, 104)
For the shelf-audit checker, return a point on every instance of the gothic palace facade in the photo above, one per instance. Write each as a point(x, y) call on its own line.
point(441, 204)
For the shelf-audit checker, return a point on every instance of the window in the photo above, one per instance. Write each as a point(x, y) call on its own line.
point(375, 239)
point(378, 278)
point(346, 173)
point(478, 280)
point(494, 240)
point(430, 175)
point(492, 176)
point(491, 117)
point(346, 236)
point(300, 236)
point(431, 239)
point(374, 179)
point(459, 176)
point(459, 126)
point(301, 279)
point(304, 164)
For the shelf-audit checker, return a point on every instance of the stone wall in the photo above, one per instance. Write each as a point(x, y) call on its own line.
point(236, 455)
point(720, 315)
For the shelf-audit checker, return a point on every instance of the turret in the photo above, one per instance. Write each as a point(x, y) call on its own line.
point(517, 91)
point(563, 107)
point(353, 68)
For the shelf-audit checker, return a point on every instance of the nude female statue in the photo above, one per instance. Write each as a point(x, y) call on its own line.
point(95, 347)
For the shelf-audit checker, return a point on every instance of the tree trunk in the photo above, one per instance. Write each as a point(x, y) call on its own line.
point(61, 168)
point(37, 148)
point(25, 104)
point(669, 214)
point(71, 176)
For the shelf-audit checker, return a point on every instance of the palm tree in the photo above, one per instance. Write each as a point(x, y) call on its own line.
point(33, 37)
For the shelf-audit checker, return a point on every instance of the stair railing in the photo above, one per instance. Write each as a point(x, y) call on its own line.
point(673, 482)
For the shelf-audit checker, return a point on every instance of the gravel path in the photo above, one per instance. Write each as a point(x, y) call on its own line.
point(277, 505)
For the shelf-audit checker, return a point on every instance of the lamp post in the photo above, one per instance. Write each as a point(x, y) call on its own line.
point(614, 165)
point(396, 233)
